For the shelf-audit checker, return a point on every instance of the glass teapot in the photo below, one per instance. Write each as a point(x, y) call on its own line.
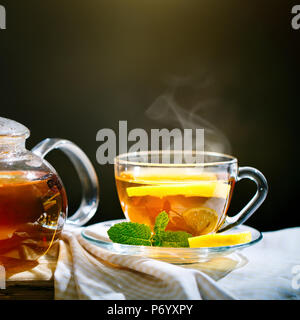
point(33, 202)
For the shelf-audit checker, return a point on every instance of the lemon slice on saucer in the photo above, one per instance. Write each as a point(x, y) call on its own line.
point(219, 240)
point(206, 189)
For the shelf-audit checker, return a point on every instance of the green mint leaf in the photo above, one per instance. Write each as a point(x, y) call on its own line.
point(161, 222)
point(140, 234)
point(156, 241)
point(175, 239)
point(130, 233)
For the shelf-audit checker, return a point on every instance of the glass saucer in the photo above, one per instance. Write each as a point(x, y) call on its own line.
point(97, 235)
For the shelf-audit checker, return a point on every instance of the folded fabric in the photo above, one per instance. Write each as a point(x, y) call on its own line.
point(86, 271)
point(267, 270)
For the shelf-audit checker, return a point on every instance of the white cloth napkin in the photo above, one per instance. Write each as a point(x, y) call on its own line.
point(85, 271)
point(271, 270)
point(264, 271)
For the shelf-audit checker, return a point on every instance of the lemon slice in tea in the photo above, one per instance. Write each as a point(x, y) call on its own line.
point(219, 240)
point(201, 220)
point(206, 189)
point(170, 175)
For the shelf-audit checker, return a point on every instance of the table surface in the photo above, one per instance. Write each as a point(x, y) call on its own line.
point(32, 284)
point(28, 290)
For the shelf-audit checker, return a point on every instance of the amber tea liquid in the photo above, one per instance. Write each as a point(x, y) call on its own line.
point(31, 204)
point(196, 204)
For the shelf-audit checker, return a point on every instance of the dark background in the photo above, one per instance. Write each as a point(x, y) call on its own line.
point(69, 68)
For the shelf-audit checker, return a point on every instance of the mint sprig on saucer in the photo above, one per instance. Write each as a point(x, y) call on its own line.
point(133, 233)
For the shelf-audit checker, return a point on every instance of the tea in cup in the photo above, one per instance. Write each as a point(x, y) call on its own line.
point(196, 196)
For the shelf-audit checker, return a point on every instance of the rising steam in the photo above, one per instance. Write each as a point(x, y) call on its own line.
point(167, 109)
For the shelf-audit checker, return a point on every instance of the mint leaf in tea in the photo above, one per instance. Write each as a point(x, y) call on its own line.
point(161, 222)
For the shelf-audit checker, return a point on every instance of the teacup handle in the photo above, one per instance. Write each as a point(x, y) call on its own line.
point(260, 195)
point(86, 173)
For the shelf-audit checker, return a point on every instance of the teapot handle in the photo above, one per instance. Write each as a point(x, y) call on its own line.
point(86, 173)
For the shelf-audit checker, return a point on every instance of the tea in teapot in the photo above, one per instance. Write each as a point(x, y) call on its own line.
point(33, 201)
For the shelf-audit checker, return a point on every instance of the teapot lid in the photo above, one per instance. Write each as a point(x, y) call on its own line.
point(11, 128)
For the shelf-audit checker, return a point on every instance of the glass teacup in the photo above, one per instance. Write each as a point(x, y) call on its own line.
point(195, 195)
